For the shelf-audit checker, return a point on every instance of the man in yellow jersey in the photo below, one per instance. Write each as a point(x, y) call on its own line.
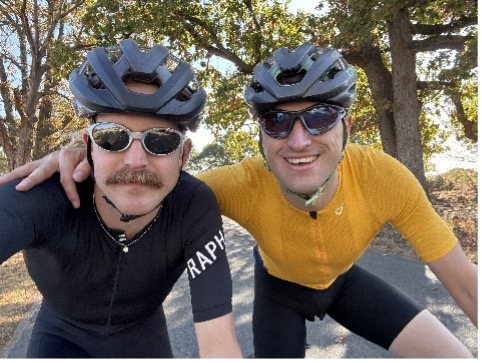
point(314, 204)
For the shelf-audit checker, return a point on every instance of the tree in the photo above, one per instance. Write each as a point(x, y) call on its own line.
point(211, 156)
point(384, 39)
point(224, 151)
point(29, 34)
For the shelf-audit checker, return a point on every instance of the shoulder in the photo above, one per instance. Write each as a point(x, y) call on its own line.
point(192, 190)
point(48, 189)
point(242, 173)
point(369, 160)
point(189, 183)
point(364, 152)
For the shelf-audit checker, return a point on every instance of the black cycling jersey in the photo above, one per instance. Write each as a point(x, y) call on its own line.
point(87, 278)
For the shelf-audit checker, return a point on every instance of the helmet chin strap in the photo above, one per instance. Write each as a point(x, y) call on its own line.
point(129, 217)
point(310, 200)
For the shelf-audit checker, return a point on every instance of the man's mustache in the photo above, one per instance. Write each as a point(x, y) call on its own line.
point(128, 176)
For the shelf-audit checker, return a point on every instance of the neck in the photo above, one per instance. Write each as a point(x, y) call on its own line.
point(321, 202)
point(111, 217)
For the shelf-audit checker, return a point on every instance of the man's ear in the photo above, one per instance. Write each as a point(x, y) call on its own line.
point(85, 137)
point(186, 151)
point(348, 123)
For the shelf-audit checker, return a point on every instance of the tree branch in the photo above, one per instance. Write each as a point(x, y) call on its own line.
point(457, 25)
point(217, 49)
point(455, 42)
point(421, 85)
point(470, 128)
point(26, 26)
point(258, 30)
point(4, 92)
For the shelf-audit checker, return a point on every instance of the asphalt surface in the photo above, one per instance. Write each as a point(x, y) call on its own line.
point(326, 339)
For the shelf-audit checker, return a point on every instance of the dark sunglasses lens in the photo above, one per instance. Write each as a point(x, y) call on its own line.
point(162, 141)
point(276, 124)
point(321, 119)
point(110, 137)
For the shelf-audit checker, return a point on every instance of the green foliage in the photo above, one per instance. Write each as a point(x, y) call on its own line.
point(463, 180)
point(211, 156)
point(240, 144)
point(63, 59)
point(365, 124)
point(470, 101)
point(225, 39)
point(229, 149)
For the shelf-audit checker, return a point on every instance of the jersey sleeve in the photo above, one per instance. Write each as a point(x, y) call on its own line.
point(399, 194)
point(27, 218)
point(205, 254)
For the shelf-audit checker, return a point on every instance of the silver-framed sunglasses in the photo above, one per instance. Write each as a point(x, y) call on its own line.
point(112, 137)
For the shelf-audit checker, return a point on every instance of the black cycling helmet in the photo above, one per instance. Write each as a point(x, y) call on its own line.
point(307, 73)
point(98, 85)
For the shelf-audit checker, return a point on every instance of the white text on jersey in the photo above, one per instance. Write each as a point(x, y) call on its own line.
point(206, 256)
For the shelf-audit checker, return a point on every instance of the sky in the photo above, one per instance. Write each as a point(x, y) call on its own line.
point(305, 5)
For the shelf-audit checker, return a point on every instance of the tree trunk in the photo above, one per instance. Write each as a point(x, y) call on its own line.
point(23, 153)
point(406, 106)
point(380, 82)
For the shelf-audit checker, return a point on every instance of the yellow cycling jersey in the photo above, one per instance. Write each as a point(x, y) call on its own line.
point(373, 189)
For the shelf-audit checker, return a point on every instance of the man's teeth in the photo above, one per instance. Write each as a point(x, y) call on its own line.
point(302, 160)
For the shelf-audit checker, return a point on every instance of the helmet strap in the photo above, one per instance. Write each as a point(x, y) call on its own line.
point(129, 217)
point(310, 200)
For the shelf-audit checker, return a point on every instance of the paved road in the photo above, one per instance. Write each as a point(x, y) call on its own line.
point(327, 339)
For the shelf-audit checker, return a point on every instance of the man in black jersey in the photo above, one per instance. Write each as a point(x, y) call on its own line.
point(105, 269)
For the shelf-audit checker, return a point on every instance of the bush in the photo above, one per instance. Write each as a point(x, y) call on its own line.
point(463, 180)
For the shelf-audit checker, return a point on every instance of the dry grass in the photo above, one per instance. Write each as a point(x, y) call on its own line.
point(455, 201)
point(17, 294)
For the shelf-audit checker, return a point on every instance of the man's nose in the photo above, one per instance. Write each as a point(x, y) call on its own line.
point(136, 156)
point(299, 137)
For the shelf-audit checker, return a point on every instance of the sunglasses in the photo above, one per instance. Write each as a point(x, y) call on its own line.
point(316, 119)
point(113, 137)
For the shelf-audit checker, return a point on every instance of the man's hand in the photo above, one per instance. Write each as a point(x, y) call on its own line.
point(71, 163)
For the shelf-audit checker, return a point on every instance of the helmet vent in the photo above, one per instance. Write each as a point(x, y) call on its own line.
point(291, 76)
point(186, 93)
point(256, 86)
point(317, 55)
point(148, 78)
point(113, 53)
point(269, 62)
point(172, 63)
point(93, 79)
point(334, 69)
